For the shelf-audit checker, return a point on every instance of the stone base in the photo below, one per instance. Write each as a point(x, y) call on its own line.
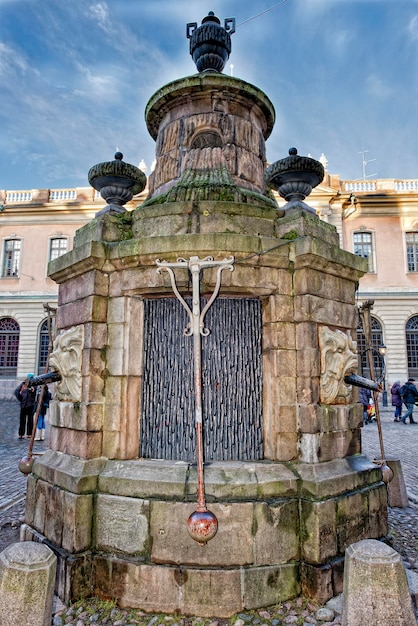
point(282, 529)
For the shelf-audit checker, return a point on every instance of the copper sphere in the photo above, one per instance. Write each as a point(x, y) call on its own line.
point(387, 473)
point(202, 526)
point(26, 464)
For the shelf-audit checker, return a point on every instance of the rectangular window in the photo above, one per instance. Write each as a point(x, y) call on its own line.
point(11, 258)
point(363, 246)
point(412, 251)
point(57, 247)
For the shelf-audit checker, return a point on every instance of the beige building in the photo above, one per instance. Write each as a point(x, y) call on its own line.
point(377, 219)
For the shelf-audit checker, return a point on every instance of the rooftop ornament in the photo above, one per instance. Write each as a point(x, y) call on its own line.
point(210, 43)
point(118, 182)
point(294, 178)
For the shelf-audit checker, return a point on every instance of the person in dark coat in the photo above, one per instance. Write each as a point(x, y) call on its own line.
point(364, 396)
point(395, 390)
point(409, 394)
point(26, 395)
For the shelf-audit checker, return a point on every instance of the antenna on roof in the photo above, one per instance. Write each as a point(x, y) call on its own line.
point(365, 163)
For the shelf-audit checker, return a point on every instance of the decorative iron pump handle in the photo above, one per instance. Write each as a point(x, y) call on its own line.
point(202, 524)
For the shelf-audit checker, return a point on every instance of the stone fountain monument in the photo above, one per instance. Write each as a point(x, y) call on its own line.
point(284, 479)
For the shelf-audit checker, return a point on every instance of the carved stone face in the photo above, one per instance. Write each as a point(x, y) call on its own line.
point(66, 359)
point(338, 359)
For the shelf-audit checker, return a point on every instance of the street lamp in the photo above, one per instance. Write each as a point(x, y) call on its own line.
point(382, 352)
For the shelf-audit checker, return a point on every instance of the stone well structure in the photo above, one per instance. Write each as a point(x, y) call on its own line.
point(284, 472)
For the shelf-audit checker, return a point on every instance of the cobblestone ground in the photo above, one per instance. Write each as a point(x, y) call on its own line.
point(400, 442)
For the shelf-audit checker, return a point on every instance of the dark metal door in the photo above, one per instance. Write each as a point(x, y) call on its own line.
point(231, 377)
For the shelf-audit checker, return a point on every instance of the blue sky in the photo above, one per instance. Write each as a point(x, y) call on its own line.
point(76, 75)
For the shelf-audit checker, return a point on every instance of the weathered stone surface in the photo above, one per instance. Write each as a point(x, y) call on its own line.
point(77, 522)
point(303, 224)
point(318, 530)
point(378, 514)
point(311, 281)
point(277, 533)
point(85, 445)
point(122, 525)
point(151, 588)
point(397, 494)
point(279, 307)
point(375, 586)
point(69, 472)
point(317, 581)
point(91, 283)
point(210, 592)
point(333, 478)
point(173, 479)
point(171, 542)
point(27, 576)
point(315, 309)
point(139, 479)
point(264, 586)
point(352, 519)
point(286, 446)
point(89, 309)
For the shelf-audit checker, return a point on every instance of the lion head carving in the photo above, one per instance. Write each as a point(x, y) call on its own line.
point(338, 359)
point(66, 359)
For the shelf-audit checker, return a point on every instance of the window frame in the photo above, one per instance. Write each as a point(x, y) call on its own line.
point(50, 248)
point(8, 370)
point(415, 244)
point(371, 259)
point(4, 260)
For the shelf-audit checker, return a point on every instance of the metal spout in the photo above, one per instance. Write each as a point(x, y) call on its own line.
point(360, 381)
point(45, 379)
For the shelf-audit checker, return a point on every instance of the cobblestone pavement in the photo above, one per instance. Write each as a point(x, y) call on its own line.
point(400, 442)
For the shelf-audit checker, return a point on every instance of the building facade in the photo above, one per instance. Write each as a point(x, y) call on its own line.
point(376, 219)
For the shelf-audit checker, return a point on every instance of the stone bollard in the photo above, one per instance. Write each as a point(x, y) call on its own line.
point(27, 578)
point(376, 589)
point(397, 495)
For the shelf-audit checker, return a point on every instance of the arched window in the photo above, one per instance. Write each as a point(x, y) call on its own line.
point(411, 332)
point(377, 340)
point(207, 139)
point(9, 346)
point(43, 346)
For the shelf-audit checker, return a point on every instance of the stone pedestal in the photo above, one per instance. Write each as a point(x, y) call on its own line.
point(376, 589)
point(27, 577)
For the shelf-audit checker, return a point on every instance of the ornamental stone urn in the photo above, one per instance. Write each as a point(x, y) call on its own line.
point(210, 44)
point(118, 182)
point(294, 178)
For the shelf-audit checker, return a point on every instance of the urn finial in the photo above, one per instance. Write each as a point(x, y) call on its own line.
point(294, 178)
point(210, 43)
point(117, 183)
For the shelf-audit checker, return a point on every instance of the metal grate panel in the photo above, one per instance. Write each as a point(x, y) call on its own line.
point(231, 379)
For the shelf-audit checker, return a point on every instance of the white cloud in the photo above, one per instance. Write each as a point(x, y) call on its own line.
point(11, 60)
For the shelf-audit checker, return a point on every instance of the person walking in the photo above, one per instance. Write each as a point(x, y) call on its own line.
point(364, 397)
point(395, 390)
point(40, 427)
point(409, 394)
point(26, 394)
